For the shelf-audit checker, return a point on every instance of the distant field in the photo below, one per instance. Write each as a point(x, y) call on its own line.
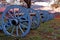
point(47, 31)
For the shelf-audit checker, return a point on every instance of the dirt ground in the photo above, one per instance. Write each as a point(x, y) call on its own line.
point(49, 30)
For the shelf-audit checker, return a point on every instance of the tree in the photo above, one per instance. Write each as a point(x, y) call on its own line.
point(28, 2)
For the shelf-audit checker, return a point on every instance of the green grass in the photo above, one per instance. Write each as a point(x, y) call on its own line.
point(47, 31)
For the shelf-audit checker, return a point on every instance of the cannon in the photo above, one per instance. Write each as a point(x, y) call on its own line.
point(17, 20)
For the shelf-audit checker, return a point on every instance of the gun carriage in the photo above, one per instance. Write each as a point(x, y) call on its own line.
point(16, 20)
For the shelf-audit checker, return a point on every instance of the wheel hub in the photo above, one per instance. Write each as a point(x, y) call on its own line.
point(15, 22)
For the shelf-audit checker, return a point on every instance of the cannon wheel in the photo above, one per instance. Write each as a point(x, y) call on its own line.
point(13, 23)
point(35, 18)
point(43, 16)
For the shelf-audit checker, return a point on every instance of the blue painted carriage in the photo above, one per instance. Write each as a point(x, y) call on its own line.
point(17, 20)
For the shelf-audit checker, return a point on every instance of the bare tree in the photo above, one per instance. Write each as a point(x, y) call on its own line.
point(28, 2)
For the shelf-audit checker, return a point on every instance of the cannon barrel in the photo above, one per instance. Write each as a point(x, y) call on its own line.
point(21, 14)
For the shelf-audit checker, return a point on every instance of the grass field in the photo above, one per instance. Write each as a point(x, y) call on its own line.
point(49, 30)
